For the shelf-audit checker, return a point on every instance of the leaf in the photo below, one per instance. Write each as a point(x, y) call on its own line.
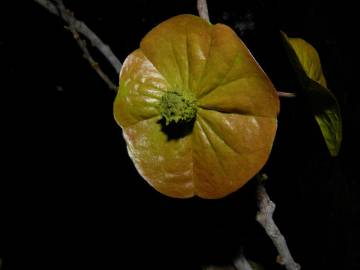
point(306, 63)
point(327, 114)
point(309, 59)
point(216, 145)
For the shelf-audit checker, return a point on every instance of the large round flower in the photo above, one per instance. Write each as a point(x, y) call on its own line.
point(198, 113)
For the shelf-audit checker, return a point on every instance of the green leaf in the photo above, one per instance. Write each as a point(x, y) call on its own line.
point(327, 114)
point(306, 63)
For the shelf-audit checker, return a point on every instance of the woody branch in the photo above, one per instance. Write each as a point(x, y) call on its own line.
point(78, 27)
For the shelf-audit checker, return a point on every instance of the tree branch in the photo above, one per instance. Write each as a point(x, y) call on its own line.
point(76, 26)
point(82, 28)
point(92, 62)
point(67, 15)
point(203, 9)
point(265, 218)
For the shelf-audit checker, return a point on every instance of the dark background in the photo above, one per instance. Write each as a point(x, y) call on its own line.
point(70, 197)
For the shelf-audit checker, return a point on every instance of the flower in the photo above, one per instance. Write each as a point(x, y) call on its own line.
point(198, 114)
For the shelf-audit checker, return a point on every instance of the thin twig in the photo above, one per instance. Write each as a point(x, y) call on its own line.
point(286, 94)
point(82, 28)
point(66, 15)
point(203, 9)
point(265, 218)
point(92, 62)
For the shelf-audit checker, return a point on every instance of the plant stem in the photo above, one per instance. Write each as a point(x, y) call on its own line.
point(265, 218)
point(203, 9)
point(76, 27)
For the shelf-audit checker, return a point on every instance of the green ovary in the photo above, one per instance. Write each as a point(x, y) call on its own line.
point(178, 107)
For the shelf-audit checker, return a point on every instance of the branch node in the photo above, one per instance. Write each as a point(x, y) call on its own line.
point(280, 260)
point(271, 207)
point(95, 65)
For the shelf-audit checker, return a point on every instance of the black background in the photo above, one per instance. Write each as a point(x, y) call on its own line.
point(70, 197)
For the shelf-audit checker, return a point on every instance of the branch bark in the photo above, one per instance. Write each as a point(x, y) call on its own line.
point(75, 26)
point(265, 218)
point(241, 263)
point(67, 16)
point(286, 94)
point(203, 9)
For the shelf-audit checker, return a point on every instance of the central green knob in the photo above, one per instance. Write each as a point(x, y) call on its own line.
point(178, 107)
